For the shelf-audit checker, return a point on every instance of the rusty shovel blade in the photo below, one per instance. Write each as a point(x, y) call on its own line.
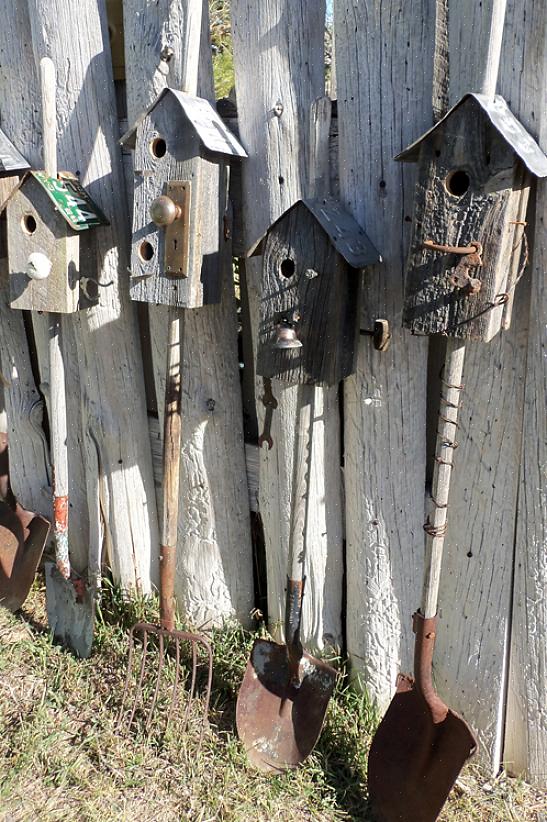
point(420, 746)
point(277, 722)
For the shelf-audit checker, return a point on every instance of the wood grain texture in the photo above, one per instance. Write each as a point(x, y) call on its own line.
point(471, 653)
point(214, 571)
point(384, 62)
point(107, 413)
point(525, 749)
point(486, 212)
point(323, 290)
point(279, 65)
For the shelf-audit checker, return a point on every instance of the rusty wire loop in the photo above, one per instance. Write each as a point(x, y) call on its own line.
point(435, 530)
point(504, 296)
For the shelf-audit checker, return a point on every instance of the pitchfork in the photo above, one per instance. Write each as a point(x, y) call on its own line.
point(168, 639)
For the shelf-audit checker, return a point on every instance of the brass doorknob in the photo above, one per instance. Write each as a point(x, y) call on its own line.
point(163, 211)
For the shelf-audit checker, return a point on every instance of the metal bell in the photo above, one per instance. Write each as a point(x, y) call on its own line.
point(286, 335)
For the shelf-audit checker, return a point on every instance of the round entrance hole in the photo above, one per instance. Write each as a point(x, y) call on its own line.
point(29, 224)
point(146, 251)
point(158, 147)
point(287, 268)
point(457, 182)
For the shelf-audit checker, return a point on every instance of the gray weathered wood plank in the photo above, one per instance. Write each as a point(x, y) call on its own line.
point(107, 414)
point(214, 575)
point(384, 61)
point(279, 64)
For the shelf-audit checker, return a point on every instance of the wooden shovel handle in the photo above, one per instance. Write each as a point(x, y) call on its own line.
point(444, 454)
point(171, 471)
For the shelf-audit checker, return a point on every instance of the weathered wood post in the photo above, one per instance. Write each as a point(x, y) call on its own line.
point(384, 59)
point(214, 577)
point(108, 432)
point(479, 563)
point(279, 64)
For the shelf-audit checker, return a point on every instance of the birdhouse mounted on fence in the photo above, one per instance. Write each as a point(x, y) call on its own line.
point(52, 254)
point(469, 246)
point(181, 150)
point(309, 307)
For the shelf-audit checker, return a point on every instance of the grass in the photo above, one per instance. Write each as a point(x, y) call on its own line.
point(63, 757)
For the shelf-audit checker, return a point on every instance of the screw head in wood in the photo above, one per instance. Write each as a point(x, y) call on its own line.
point(163, 211)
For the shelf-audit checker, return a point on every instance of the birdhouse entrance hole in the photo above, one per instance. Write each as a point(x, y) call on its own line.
point(287, 268)
point(457, 182)
point(158, 147)
point(146, 251)
point(29, 224)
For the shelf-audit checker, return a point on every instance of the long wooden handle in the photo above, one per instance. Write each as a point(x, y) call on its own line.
point(300, 485)
point(171, 471)
point(444, 455)
point(59, 449)
point(49, 115)
point(191, 46)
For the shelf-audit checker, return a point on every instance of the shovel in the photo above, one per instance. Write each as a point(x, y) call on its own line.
point(421, 744)
point(23, 536)
point(70, 603)
point(285, 692)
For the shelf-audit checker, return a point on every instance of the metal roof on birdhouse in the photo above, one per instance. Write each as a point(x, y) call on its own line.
point(11, 161)
point(505, 122)
point(204, 119)
point(347, 237)
point(69, 197)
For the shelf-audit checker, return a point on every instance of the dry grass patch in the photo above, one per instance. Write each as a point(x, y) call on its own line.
point(63, 756)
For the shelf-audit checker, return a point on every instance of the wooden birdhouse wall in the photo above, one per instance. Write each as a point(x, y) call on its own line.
point(168, 149)
point(471, 187)
point(303, 272)
point(34, 225)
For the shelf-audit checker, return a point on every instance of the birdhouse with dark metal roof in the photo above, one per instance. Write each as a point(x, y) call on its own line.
point(309, 302)
point(52, 253)
point(181, 150)
point(468, 247)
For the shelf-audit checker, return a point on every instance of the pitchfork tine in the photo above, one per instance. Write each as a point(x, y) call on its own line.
point(173, 704)
point(157, 688)
point(192, 686)
point(141, 674)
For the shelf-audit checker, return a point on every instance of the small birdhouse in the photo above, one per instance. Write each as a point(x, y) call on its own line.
point(309, 304)
point(11, 161)
point(52, 254)
point(181, 149)
point(468, 246)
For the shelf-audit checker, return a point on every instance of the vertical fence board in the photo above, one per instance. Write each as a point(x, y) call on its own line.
point(384, 59)
point(525, 750)
point(214, 568)
point(476, 585)
point(279, 58)
point(109, 434)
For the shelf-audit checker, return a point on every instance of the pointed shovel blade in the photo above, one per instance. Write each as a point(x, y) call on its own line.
point(70, 611)
point(23, 538)
point(278, 723)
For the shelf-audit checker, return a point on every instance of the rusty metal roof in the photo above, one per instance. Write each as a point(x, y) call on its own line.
point(502, 118)
point(214, 135)
point(346, 235)
point(11, 161)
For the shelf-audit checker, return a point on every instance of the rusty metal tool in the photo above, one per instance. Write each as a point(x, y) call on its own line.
point(168, 639)
point(270, 403)
point(23, 536)
point(285, 692)
point(421, 744)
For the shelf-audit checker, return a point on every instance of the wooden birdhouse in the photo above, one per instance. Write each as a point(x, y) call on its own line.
point(309, 305)
point(181, 149)
point(468, 246)
point(52, 255)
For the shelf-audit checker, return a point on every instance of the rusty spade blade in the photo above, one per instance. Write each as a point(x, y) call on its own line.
point(23, 536)
point(285, 692)
point(420, 746)
point(279, 723)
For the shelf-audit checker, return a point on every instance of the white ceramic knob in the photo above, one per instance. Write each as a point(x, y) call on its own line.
point(38, 266)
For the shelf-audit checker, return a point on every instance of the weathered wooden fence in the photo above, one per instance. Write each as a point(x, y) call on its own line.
point(371, 455)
